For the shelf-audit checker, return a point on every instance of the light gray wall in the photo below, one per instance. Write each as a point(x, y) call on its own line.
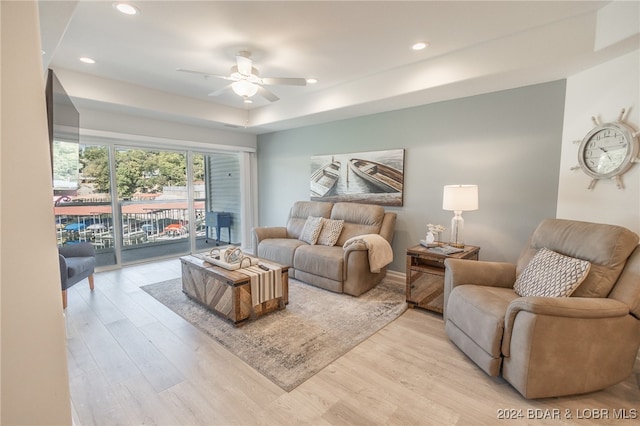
point(508, 143)
point(600, 91)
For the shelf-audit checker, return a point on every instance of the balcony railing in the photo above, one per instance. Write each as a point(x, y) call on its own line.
point(149, 228)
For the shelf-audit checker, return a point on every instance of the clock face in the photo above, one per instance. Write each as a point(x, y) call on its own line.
point(606, 151)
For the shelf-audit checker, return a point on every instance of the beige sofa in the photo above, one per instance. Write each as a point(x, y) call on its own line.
point(342, 270)
point(551, 346)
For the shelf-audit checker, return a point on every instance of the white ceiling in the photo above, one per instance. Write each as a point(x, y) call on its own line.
point(360, 52)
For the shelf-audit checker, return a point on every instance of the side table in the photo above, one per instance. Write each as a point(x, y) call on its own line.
point(425, 276)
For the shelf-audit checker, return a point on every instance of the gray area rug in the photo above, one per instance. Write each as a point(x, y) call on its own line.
point(291, 345)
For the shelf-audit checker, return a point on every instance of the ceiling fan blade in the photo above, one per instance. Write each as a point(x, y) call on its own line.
point(270, 96)
point(220, 91)
point(285, 81)
point(245, 64)
point(206, 74)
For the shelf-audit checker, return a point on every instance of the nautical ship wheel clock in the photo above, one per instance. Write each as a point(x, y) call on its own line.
point(608, 151)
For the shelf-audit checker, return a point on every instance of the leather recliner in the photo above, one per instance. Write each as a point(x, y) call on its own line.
point(551, 346)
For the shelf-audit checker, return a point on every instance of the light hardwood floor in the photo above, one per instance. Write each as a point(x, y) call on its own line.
point(132, 361)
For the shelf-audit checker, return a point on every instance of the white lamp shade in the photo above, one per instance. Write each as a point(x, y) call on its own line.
point(460, 197)
point(244, 88)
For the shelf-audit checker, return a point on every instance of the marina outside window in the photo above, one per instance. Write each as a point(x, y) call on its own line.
point(135, 204)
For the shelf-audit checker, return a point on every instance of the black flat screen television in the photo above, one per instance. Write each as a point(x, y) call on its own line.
point(64, 136)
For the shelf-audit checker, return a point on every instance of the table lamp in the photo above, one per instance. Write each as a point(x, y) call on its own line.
point(459, 198)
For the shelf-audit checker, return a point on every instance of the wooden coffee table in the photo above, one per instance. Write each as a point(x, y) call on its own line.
point(228, 293)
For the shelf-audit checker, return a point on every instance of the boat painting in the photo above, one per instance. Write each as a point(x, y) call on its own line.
point(374, 177)
point(384, 177)
point(324, 179)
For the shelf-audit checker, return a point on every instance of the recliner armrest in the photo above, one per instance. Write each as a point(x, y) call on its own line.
point(356, 246)
point(566, 307)
point(262, 233)
point(464, 271)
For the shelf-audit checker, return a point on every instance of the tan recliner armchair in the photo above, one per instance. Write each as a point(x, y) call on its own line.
point(551, 346)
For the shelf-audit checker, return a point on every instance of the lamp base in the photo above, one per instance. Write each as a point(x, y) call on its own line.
point(457, 227)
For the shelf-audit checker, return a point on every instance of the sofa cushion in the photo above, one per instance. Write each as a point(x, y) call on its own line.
point(330, 233)
point(320, 260)
point(550, 274)
point(478, 311)
point(311, 230)
point(359, 219)
point(279, 250)
point(301, 210)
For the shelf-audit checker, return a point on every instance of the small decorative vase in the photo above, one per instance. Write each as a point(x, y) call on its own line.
point(430, 238)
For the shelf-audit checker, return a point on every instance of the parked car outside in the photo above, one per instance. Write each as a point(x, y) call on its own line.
point(149, 228)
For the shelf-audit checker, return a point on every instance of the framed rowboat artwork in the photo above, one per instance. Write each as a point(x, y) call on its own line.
point(375, 177)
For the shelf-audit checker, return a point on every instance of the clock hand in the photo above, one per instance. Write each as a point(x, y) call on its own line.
point(606, 152)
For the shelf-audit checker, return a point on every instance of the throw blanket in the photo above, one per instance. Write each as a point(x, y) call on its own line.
point(380, 253)
point(265, 285)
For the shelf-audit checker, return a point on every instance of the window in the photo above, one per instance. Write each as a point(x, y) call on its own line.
point(84, 212)
point(222, 198)
point(153, 203)
point(138, 203)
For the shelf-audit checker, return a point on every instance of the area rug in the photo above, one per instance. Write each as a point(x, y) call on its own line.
point(291, 345)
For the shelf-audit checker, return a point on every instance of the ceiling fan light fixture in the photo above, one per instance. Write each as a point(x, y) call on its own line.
point(246, 81)
point(244, 88)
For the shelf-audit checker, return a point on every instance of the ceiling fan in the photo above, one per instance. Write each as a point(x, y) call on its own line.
point(246, 81)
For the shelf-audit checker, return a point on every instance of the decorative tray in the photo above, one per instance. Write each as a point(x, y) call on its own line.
point(230, 259)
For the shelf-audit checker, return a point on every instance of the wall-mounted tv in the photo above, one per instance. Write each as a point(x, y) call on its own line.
point(64, 136)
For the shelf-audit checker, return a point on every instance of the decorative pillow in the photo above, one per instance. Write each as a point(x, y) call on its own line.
point(331, 229)
point(551, 274)
point(311, 230)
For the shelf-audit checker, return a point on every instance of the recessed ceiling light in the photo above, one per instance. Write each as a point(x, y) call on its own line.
point(420, 45)
point(126, 8)
point(248, 101)
point(312, 80)
point(87, 60)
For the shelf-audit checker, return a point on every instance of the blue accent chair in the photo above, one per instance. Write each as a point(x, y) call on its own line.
point(77, 262)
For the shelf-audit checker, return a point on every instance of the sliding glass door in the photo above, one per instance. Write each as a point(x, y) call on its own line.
point(136, 203)
point(84, 212)
point(152, 203)
point(219, 192)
